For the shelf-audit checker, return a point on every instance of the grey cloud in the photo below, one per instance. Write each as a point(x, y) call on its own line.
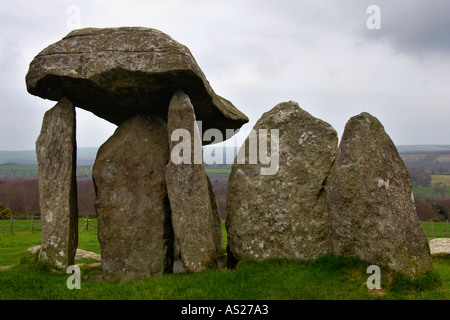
point(415, 27)
point(258, 53)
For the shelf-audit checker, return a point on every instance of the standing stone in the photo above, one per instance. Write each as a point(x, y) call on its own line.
point(372, 211)
point(56, 155)
point(282, 215)
point(134, 228)
point(217, 223)
point(187, 187)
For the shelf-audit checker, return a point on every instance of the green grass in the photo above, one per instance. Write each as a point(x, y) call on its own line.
point(30, 171)
point(439, 230)
point(421, 190)
point(19, 226)
point(442, 179)
point(429, 191)
point(224, 238)
point(22, 171)
point(12, 245)
point(329, 277)
point(218, 169)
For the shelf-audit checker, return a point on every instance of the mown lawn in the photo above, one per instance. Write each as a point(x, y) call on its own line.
point(329, 277)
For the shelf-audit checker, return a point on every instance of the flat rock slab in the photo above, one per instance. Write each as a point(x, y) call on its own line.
point(134, 228)
point(372, 210)
point(440, 245)
point(282, 215)
point(117, 73)
point(84, 254)
point(80, 253)
point(56, 155)
point(5, 268)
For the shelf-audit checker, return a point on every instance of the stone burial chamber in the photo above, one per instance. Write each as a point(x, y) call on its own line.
point(149, 85)
point(317, 196)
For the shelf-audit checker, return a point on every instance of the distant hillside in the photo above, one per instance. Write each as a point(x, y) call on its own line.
point(85, 156)
point(19, 157)
point(429, 157)
point(402, 149)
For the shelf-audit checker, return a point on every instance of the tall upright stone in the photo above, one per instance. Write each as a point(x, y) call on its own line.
point(216, 221)
point(56, 155)
point(134, 228)
point(283, 213)
point(372, 210)
point(187, 188)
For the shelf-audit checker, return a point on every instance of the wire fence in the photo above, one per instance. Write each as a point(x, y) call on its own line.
point(32, 223)
point(436, 229)
point(13, 224)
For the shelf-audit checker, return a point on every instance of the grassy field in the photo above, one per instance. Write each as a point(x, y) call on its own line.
point(440, 179)
point(13, 245)
point(18, 171)
point(218, 169)
point(327, 278)
point(431, 192)
point(30, 171)
point(439, 230)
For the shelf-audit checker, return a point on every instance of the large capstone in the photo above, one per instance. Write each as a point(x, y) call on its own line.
point(192, 216)
point(56, 155)
point(281, 213)
point(134, 228)
point(117, 73)
point(372, 211)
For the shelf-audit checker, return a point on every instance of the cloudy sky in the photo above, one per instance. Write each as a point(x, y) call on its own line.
point(258, 53)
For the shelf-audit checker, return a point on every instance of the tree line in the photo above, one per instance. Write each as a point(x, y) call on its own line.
point(22, 196)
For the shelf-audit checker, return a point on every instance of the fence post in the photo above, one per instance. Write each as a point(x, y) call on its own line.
point(32, 223)
point(11, 222)
point(432, 231)
point(447, 234)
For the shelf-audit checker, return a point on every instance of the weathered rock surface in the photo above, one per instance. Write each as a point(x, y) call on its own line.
point(284, 215)
point(189, 197)
point(440, 246)
point(217, 223)
point(56, 155)
point(372, 211)
point(80, 253)
point(117, 73)
point(134, 228)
